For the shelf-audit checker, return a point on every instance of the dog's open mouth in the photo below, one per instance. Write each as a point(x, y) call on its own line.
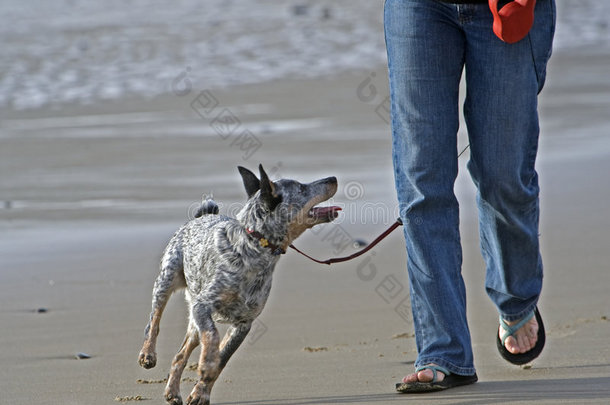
point(324, 213)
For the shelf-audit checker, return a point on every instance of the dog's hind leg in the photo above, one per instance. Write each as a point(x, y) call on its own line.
point(172, 390)
point(209, 361)
point(169, 280)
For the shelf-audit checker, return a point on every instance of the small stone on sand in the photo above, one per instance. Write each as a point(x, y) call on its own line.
point(359, 243)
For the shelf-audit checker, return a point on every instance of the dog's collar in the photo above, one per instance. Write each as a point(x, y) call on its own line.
point(264, 242)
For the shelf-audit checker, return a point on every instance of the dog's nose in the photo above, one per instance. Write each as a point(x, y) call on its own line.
point(326, 182)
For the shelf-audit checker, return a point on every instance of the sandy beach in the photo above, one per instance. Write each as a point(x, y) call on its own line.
point(90, 194)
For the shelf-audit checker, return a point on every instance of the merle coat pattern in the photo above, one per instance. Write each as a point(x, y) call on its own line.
point(226, 265)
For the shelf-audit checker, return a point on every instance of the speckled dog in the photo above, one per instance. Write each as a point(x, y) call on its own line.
point(226, 265)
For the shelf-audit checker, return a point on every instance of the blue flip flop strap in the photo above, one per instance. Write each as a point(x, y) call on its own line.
point(434, 370)
point(510, 330)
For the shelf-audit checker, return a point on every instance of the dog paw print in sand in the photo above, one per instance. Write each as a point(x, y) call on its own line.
point(406, 335)
point(315, 349)
point(131, 398)
point(162, 381)
point(569, 329)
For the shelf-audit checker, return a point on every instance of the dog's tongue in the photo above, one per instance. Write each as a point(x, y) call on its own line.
point(329, 212)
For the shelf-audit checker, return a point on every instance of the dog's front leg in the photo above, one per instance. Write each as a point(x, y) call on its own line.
point(209, 361)
point(232, 340)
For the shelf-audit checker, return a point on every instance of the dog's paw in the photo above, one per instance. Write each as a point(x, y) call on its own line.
point(198, 397)
point(172, 392)
point(197, 401)
point(147, 360)
point(173, 399)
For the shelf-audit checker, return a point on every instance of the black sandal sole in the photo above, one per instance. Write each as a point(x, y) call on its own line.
point(450, 381)
point(524, 358)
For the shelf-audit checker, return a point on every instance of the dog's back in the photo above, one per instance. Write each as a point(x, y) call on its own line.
point(219, 263)
point(172, 276)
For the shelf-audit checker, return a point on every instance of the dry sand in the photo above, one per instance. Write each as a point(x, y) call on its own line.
point(93, 193)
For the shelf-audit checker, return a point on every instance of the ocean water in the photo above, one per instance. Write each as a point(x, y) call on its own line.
point(81, 51)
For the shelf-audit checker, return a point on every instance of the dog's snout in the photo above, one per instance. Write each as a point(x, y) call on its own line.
point(325, 182)
point(331, 184)
point(329, 180)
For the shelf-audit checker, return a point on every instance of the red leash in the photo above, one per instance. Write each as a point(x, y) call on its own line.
point(361, 252)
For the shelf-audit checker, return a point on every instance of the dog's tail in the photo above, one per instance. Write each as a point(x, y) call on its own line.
point(208, 206)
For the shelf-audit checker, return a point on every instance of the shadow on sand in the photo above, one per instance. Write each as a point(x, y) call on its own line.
point(486, 392)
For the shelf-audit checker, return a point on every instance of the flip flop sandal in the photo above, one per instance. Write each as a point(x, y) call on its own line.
point(521, 358)
point(450, 381)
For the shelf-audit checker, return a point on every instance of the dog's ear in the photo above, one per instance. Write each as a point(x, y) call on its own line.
point(268, 192)
point(251, 182)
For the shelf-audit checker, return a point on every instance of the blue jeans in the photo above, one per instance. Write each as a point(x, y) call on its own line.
point(428, 44)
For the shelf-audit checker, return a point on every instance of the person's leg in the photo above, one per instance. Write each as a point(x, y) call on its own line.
point(503, 81)
point(425, 58)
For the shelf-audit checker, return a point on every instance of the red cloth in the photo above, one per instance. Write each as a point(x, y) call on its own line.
point(513, 21)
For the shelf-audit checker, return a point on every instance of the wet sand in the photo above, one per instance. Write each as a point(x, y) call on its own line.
point(91, 195)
